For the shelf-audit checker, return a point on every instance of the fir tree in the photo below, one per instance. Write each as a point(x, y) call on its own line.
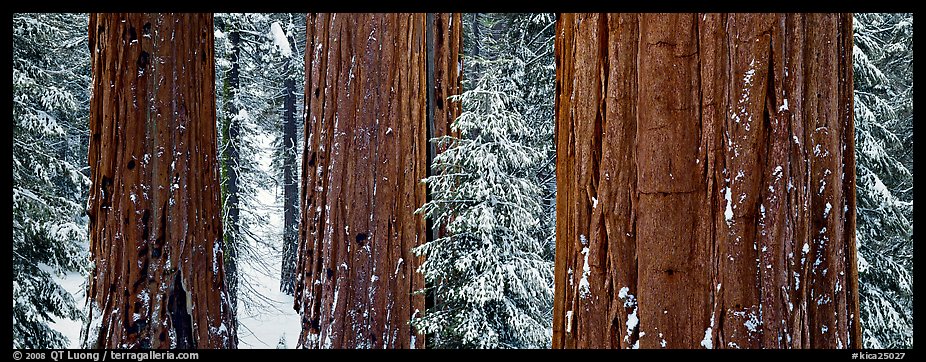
point(532, 39)
point(491, 282)
point(50, 103)
point(883, 62)
point(494, 189)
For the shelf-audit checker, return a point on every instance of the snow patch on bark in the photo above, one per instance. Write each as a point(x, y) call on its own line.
point(630, 301)
point(569, 321)
point(708, 342)
point(91, 333)
point(728, 213)
point(584, 286)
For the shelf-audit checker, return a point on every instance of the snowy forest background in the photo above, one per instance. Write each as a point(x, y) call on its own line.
point(507, 117)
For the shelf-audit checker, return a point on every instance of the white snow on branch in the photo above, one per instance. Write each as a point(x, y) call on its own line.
point(279, 39)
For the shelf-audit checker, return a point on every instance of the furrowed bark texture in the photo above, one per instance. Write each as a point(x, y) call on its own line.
point(365, 153)
point(155, 218)
point(706, 182)
point(447, 37)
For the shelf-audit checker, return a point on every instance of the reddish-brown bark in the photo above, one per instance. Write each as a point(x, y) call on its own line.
point(447, 37)
point(365, 153)
point(155, 218)
point(657, 116)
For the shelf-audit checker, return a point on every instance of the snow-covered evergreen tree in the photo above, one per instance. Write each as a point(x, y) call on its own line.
point(883, 63)
point(493, 192)
point(492, 285)
point(51, 74)
point(524, 41)
point(531, 39)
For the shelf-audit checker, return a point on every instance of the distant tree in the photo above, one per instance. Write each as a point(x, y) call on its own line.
point(262, 50)
point(293, 73)
point(232, 116)
point(51, 70)
point(508, 61)
point(530, 41)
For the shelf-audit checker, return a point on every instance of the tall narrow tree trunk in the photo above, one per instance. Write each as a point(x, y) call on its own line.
point(231, 130)
point(447, 36)
point(155, 219)
point(365, 153)
point(290, 188)
point(476, 50)
point(445, 72)
point(706, 182)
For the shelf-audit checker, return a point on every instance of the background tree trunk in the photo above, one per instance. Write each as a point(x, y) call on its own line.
point(231, 131)
point(290, 187)
point(475, 50)
point(705, 168)
point(446, 30)
point(365, 153)
point(155, 218)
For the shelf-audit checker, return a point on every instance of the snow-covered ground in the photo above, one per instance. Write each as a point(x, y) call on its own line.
point(73, 283)
point(265, 315)
point(270, 316)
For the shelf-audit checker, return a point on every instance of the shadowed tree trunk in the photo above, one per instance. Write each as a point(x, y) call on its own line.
point(706, 182)
point(365, 153)
point(445, 73)
point(155, 218)
point(446, 37)
point(290, 187)
point(231, 130)
point(476, 51)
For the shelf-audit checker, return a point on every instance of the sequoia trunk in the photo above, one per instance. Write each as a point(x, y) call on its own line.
point(365, 153)
point(706, 182)
point(155, 219)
